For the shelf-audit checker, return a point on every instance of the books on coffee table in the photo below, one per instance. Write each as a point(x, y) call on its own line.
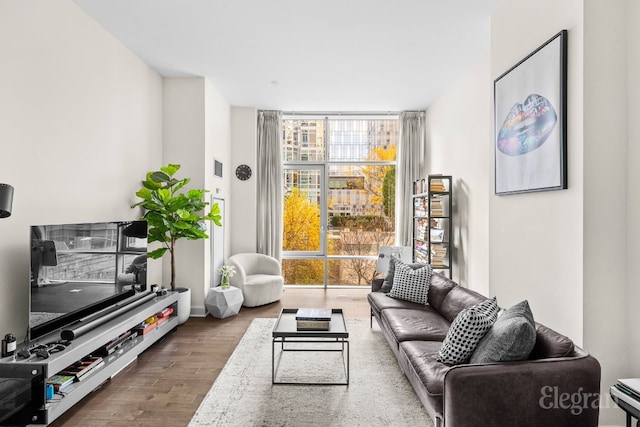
point(313, 319)
point(323, 314)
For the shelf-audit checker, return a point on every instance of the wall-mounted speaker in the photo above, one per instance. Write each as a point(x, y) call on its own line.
point(6, 200)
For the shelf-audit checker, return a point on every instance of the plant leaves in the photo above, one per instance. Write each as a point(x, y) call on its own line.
point(183, 213)
point(144, 193)
point(157, 253)
point(159, 176)
point(164, 194)
point(181, 184)
point(170, 169)
point(196, 194)
point(150, 184)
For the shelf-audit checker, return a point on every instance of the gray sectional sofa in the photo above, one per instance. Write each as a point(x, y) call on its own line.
point(558, 385)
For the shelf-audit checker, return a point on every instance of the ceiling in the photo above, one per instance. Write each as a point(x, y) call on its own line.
point(302, 55)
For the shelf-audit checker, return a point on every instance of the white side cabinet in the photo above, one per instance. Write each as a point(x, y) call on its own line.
point(23, 381)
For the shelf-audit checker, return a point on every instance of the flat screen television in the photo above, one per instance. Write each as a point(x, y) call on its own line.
point(78, 270)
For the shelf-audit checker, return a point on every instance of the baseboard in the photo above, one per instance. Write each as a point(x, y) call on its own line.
point(198, 311)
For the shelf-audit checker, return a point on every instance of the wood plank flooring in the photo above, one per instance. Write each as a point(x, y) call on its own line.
point(167, 383)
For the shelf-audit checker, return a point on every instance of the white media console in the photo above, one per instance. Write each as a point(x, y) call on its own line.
point(23, 390)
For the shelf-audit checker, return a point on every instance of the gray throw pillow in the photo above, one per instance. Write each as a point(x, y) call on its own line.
point(466, 331)
point(411, 284)
point(388, 281)
point(511, 338)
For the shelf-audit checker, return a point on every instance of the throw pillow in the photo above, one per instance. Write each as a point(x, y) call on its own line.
point(511, 338)
point(411, 284)
point(388, 280)
point(466, 331)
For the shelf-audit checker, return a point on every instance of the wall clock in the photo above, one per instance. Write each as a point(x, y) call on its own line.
point(243, 172)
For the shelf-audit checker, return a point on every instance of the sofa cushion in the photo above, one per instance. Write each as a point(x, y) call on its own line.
point(549, 343)
point(511, 337)
point(380, 301)
point(438, 289)
point(387, 284)
point(457, 299)
point(466, 330)
point(411, 285)
point(408, 324)
point(422, 355)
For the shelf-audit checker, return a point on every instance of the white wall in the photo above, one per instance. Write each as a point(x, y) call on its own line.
point(196, 127)
point(536, 238)
point(565, 251)
point(633, 171)
point(458, 133)
point(217, 146)
point(244, 206)
point(606, 333)
point(80, 124)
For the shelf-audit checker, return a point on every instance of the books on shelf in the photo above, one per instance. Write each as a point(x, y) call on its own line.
point(438, 255)
point(437, 185)
point(83, 367)
point(60, 381)
point(437, 207)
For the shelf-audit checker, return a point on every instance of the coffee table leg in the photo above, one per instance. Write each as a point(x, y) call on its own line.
point(348, 356)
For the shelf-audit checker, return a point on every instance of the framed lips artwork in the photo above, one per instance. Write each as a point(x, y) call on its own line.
point(530, 110)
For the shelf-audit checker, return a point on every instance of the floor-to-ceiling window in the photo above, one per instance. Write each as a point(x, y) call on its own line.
point(339, 197)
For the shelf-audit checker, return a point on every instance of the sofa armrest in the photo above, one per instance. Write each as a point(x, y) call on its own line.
point(376, 284)
point(549, 392)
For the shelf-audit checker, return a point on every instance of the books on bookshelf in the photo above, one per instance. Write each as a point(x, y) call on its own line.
point(419, 207)
point(60, 381)
point(438, 255)
point(437, 207)
point(432, 222)
point(82, 368)
point(437, 185)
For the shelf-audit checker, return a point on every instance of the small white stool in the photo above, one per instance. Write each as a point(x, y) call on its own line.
point(223, 303)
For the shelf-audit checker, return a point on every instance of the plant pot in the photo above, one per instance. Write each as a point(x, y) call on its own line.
point(184, 304)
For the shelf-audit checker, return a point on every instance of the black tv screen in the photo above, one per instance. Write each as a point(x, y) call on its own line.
point(80, 269)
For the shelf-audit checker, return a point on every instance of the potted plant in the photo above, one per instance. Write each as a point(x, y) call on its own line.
point(172, 215)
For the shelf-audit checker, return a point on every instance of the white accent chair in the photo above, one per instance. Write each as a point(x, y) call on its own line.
point(259, 276)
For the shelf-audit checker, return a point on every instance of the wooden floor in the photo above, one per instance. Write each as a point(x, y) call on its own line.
point(166, 384)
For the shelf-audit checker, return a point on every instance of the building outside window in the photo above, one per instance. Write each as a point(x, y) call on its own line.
point(339, 197)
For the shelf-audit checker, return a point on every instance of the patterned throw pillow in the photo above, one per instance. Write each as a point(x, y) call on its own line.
point(387, 284)
point(511, 338)
point(411, 284)
point(466, 331)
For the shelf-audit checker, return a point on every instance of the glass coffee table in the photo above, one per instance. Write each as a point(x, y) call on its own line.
point(286, 337)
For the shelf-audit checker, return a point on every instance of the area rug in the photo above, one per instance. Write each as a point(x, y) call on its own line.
point(378, 393)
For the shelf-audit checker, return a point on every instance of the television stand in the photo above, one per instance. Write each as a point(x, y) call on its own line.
point(23, 382)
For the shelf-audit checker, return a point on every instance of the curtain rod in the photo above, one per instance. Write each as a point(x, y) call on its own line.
point(340, 113)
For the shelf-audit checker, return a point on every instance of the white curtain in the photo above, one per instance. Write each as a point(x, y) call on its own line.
point(269, 177)
point(411, 153)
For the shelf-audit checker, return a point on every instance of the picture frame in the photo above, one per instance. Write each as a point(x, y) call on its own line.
point(530, 121)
